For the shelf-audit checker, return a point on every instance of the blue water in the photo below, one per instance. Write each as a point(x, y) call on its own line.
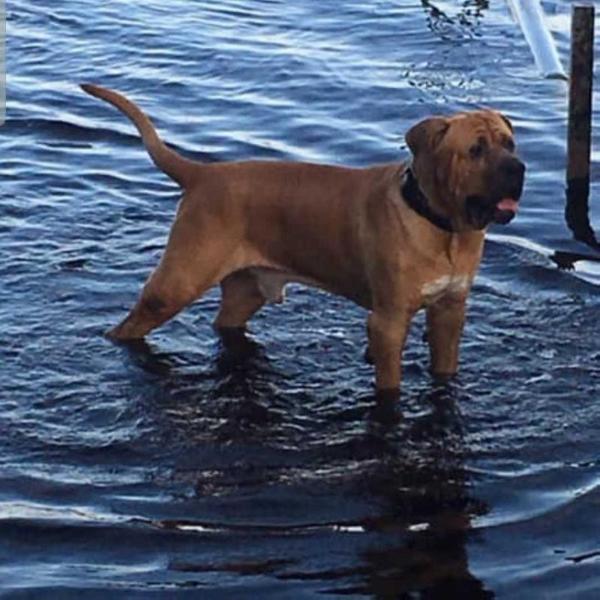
point(185, 466)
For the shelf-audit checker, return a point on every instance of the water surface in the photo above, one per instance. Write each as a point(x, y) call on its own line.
point(187, 466)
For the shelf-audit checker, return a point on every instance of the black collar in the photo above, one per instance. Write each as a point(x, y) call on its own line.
point(417, 200)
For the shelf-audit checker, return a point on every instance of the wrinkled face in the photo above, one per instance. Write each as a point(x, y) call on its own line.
point(467, 168)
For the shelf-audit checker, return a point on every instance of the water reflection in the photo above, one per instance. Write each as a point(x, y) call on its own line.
point(426, 486)
point(405, 470)
point(242, 366)
point(239, 365)
point(464, 22)
point(195, 400)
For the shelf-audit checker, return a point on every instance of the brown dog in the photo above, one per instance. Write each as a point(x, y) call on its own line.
point(393, 238)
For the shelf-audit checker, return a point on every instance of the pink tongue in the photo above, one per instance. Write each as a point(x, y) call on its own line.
point(508, 204)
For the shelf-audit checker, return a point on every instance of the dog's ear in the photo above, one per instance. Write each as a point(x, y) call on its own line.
point(426, 134)
point(506, 120)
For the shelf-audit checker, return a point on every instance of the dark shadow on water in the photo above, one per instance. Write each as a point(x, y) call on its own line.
point(240, 364)
point(426, 486)
point(410, 476)
point(148, 359)
point(566, 260)
point(423, 496)
point(243, 371)
point(230, 396)
point(240, 356)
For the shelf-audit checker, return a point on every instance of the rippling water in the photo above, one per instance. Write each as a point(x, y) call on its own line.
point(187, 466)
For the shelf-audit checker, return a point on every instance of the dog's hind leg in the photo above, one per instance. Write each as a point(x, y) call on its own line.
point(193, 262)
point(162, 298)
point(241, 297)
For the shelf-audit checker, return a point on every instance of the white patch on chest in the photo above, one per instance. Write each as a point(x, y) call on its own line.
point(448, 284)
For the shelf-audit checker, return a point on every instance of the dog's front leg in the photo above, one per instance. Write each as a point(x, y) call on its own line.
point(445, 320)
point(387, 334)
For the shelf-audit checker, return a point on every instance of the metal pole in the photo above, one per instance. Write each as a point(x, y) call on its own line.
point(530, 16)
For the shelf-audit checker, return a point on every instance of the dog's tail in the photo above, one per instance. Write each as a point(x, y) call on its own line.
point(177, 167)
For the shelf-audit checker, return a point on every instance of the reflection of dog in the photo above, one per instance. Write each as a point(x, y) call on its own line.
point(394, 238)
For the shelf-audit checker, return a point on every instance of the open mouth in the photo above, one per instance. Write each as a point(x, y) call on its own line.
point(505, 210)
point(483, 211)
point(501, 205)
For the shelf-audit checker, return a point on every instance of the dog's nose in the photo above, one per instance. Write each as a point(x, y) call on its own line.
point(512, 168)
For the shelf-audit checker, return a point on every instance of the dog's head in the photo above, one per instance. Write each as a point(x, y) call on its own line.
point(467, 168)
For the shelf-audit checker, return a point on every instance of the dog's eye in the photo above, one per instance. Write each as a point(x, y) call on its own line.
point(509, 145)
point(476, 150)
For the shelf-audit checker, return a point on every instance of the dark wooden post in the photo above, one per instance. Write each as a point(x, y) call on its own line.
point(580, 117)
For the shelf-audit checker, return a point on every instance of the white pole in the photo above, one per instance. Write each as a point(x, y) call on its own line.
point(530, 17)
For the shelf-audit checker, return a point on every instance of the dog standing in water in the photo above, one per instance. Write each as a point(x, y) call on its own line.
point(393, 238)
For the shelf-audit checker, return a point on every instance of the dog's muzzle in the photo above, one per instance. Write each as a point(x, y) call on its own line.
point(502, 206)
